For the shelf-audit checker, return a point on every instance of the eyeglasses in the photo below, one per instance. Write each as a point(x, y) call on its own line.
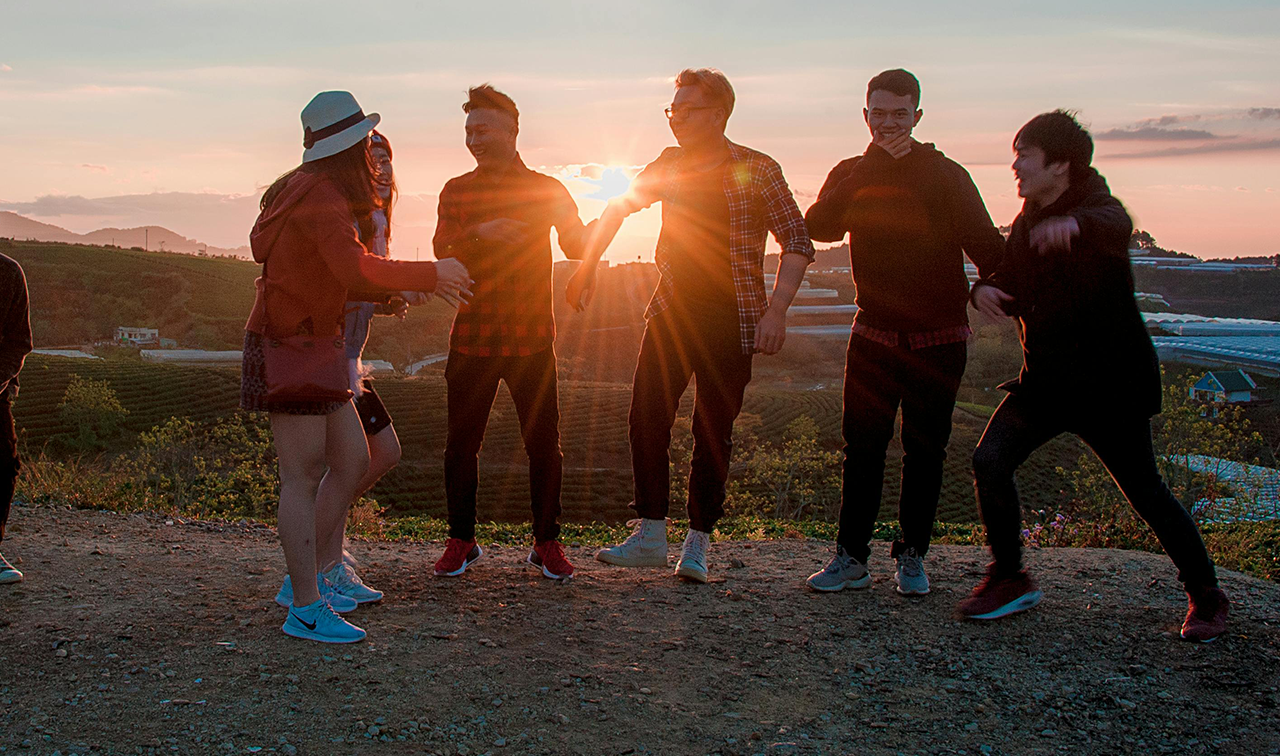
point(685, 110)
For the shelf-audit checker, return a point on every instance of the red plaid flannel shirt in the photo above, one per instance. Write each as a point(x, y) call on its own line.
point(916, 339)
point(760, 202)
point(510, 314)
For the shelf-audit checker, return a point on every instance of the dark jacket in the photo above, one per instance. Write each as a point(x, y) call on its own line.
point(910, 221)
point(15, 325)
point(314, 262)
point(1083, 340)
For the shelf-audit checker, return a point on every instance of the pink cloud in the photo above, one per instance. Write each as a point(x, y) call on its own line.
point(96, 168)
point(1233, 145)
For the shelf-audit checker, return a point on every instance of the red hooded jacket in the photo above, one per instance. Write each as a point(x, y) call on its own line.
point(314, 262)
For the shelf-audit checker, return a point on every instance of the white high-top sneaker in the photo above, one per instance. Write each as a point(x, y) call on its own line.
point(645, 547)
point(693, 557)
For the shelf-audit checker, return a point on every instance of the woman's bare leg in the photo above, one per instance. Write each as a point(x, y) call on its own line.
point(347, 454)
point(384, 455)
point(300, 447)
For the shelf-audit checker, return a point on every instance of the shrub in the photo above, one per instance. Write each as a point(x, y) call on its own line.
point(225, 469)
point(92, 409)
point(1179, 435)
point(794, 480)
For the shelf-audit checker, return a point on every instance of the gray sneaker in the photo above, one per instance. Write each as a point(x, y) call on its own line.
point(910, 576)
point(843, 572)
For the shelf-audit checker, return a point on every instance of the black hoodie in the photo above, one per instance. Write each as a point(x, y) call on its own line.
point(1084, 342)
point(910, 221)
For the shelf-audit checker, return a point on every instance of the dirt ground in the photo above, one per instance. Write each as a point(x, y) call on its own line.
point(136, 634)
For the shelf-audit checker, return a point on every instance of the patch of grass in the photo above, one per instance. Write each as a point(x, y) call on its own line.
point(977, 410)
point(1249, 547)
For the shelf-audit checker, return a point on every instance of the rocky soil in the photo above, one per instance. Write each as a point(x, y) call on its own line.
point(141, 635)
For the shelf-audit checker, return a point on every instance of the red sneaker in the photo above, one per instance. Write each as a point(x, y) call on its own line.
point(1001, 595)
point(1206, 614)
point(549, 556)
point(458, 556)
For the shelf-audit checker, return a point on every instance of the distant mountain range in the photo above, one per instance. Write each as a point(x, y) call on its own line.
point(156, 238)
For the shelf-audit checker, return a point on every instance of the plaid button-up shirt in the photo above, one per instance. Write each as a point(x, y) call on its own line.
point(510, 314)
point(760, 202)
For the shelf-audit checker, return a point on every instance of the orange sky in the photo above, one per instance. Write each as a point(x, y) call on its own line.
point(183, 128)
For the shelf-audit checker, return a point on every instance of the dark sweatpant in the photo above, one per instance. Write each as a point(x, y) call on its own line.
point(10, 462)
point(472, 385)
point(1022, 424)
point(877, 379)
point(678, 345)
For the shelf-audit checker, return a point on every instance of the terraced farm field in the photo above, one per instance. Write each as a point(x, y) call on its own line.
point(151, 393)
point(593, 428)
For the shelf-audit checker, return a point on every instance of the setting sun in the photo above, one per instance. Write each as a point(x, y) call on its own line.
point(606, 181)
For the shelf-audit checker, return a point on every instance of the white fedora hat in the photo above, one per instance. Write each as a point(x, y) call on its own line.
point(332, 122)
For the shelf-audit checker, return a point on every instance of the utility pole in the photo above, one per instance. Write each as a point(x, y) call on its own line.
point(146, 239)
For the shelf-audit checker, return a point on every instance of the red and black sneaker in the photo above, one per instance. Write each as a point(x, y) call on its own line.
point(458, 556)
point(549, 557)
point(1206, 614)
point(999, 595)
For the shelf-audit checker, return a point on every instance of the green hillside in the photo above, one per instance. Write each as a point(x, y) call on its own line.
point(80, 294)
point(594, 435)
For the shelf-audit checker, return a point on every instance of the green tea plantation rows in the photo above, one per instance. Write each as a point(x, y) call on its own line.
point(597, 483)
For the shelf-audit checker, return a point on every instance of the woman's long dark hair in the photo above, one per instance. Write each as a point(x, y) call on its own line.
point(392, 196)
point(352, 171)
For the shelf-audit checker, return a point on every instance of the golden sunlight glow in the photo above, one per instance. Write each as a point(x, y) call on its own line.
point(606, 181)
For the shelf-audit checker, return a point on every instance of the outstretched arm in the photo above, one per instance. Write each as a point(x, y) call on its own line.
point(599, 234)
point(646, 189)
point(1100, 222)
point(357, 268)
point(1105, 223)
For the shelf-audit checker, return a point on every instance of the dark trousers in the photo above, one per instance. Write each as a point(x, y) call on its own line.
point(877, 379)
point(678, 345)
point(1021, 425)
point(472, 386)
point(10, 462)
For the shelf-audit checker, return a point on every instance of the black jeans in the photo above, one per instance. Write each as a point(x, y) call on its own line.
point(10, 462)
point(877, 379)
point(472, 386)
point(678, 345)
point(1022, 424)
